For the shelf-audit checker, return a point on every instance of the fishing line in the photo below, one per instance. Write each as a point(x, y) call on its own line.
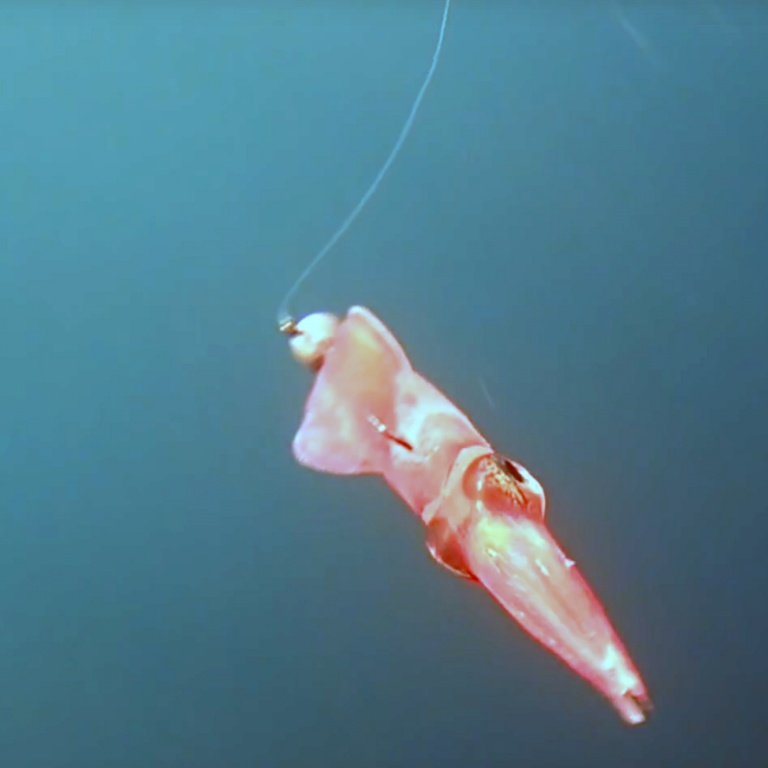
point(285, 320)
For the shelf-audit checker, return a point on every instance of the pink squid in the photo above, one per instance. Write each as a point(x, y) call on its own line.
point(369, 411)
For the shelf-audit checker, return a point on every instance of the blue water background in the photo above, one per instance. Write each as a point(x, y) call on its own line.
point(573, 245)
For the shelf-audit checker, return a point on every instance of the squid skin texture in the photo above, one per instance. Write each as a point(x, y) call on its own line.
point(370, 412)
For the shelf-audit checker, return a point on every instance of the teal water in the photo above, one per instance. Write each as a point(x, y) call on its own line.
point(572, 245)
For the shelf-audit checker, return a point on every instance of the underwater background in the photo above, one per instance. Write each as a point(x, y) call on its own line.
point(573, 245)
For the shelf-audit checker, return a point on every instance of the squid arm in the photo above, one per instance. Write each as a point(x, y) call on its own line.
point(370, 412)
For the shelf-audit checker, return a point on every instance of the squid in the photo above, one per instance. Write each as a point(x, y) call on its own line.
point(369, 411)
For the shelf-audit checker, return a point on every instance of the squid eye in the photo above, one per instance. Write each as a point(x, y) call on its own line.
point(497, 483)
point(513, 470)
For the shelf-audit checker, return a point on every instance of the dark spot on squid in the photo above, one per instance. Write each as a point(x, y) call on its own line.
point(513, 470)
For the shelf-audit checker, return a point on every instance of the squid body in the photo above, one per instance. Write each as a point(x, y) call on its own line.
point(370, 412)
